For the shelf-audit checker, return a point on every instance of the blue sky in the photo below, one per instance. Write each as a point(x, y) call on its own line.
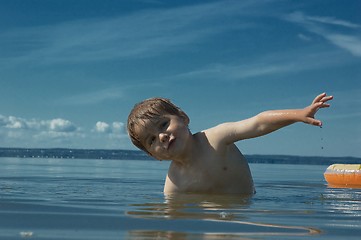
point(72, 70)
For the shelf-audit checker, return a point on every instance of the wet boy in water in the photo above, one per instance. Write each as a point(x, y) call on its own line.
point(207, 161)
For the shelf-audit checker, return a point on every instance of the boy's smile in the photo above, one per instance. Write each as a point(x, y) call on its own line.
point(171, 141)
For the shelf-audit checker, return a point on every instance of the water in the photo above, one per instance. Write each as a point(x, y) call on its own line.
point(122, 199)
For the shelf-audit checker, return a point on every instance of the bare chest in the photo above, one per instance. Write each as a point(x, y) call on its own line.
point(215, 174)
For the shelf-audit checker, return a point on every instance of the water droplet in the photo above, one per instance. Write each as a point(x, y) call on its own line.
point(222, 214)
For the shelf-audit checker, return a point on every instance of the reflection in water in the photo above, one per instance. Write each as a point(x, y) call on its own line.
point(192, 206)
point(344, 186)
point(204, 206)
point(144, 235)
point(343, 200)
point(202, 216)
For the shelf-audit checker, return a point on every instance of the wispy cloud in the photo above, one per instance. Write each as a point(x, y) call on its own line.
point(303, 37)
point(333, 21)
point(93, 97)
point(350, 41)
point(138, 35)
point(278, 63)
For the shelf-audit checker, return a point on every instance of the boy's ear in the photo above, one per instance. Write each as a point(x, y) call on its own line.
point(185, 118)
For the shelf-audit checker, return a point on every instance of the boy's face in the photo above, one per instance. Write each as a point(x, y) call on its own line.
point(164, 137)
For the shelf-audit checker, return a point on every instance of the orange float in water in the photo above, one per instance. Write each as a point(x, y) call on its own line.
point(346, 175)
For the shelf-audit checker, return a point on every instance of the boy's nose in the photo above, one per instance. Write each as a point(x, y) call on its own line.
point(163, 137)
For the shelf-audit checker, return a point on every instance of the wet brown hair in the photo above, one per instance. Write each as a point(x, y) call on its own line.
point(147, 110)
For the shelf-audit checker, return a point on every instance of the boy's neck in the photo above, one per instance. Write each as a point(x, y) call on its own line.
point(191, 154)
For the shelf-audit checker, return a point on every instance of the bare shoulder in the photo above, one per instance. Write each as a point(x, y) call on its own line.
point(219, 135)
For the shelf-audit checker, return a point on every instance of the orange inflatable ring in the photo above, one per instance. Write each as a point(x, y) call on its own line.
point(347, 175)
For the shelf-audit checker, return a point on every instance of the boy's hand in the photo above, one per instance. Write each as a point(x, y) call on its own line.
point(309, 112)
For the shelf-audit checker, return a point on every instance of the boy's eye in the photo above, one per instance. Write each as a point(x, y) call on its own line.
point(164, 124)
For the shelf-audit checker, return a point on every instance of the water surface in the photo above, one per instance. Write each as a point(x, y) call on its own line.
point(122, 199)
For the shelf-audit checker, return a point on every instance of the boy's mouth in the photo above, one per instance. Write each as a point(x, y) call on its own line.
point(171, 141)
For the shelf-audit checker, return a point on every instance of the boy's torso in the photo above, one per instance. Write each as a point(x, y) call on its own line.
point(216, 170)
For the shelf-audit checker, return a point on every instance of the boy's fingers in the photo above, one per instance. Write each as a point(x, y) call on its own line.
point(325, 99)
point(319, 97)
point(318, 105)
point(325, 105)
point(314, 122)
point(318, 123)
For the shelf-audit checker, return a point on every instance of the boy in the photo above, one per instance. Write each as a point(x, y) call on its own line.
point(207, 161)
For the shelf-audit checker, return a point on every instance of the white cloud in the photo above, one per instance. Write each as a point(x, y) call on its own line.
point(115, 128)
point(59, 132)
point(56, 125)
point(102, 127)
point(21, 132)
point(61, 125)
point(118, 126)
point(22, 125)
point(12, 122)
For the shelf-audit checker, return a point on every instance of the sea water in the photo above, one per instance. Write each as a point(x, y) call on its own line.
point(123, 199)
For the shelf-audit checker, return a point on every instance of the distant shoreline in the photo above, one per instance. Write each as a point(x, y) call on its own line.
point(68, 153)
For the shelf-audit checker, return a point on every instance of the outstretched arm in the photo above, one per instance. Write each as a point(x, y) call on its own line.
point(269, 121)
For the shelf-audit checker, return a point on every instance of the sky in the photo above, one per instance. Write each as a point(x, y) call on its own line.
point(71, 71)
